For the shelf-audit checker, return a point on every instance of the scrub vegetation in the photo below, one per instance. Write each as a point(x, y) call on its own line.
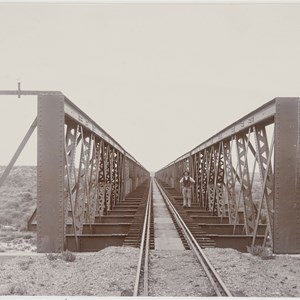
point(17, 203)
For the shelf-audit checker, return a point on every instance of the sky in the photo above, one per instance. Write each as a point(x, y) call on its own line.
point(159, 78)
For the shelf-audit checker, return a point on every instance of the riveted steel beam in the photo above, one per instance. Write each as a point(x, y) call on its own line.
point(70, 195)
point(271, 200)
point(264, 114)
point(50, 174)
point(286, 236)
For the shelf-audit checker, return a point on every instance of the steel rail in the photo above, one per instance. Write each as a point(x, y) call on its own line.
point(146, 260)
point(214, 278)
point(144, 246)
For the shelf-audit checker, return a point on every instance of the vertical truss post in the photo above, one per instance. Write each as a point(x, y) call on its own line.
point(266, 174)
point(286, 237)
point(93, 184)
point(134, 177)
point(117, 177)
point(204, 177)
point(264, 196)
point(174, 178)
point(179, 174)
point(200, 178)
point(101, 181)
point(177, 177)
point(121, 168)
point(219, 182)
point(213, 181)
point(192, 174)
point(108, 179)
point(92, 180)
point(249, 212)
point(81, 196)
point(50, 174)
point(70, 176)
point(68, 201)
point(197, 177)
point(127, 178)
point(210, 183)
point(113, 178)
point(230, 182)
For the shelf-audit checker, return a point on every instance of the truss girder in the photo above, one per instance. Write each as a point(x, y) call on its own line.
point(82, 171)
point(80, 166)
point(224, 169)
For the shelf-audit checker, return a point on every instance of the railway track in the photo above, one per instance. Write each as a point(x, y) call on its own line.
point(189, 241)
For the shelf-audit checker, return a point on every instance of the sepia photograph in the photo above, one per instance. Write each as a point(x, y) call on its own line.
point(149, 149)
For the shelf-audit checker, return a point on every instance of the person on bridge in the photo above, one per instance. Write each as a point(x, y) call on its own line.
point(186, 183)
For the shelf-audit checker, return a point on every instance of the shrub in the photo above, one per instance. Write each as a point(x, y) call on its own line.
point(68, 256)
point(27, 236)
point(5, 218)
point(8, 228)
point(32, 241)
point(17, 290)
point(26, 196)
point(24, 265)
point(18, 196)
point(52, 256)
point(262, 252)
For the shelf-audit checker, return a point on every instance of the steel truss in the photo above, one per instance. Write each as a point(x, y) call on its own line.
point(82, 172)
point(228, 182)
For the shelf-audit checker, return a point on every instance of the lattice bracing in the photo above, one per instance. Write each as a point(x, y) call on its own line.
point(228, 183)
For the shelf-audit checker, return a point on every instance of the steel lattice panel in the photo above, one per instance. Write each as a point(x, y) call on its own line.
point(105, 173)
point(276, 205)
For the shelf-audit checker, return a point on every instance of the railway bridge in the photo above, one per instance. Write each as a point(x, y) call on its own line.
point(92, 193)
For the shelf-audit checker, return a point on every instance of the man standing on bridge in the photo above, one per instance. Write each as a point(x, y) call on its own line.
point(186, 186)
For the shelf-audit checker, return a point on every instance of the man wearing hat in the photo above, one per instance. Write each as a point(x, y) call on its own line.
point(186, 186)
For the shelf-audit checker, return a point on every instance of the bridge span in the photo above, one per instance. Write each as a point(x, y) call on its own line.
point(91, 193)
point(224, 167)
